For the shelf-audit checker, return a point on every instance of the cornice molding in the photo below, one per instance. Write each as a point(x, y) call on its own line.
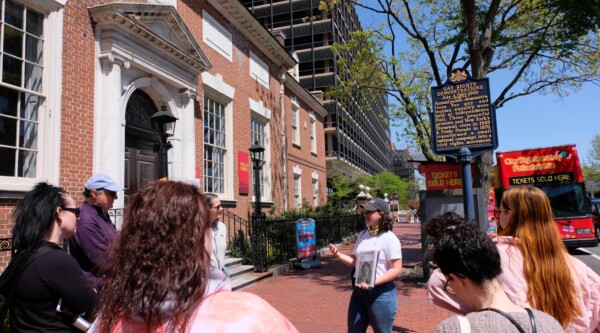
point(134, 22)
point(304, 95)
point(248, 25)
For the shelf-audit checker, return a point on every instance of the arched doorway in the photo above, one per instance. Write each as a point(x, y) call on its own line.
point(142, 162)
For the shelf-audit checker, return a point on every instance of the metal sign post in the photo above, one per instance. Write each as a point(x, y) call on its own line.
point(463, 125)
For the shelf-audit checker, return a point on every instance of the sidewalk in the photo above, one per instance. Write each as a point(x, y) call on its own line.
point(316, 300)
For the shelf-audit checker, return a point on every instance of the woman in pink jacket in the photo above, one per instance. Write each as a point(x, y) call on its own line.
point(537, 270)
point(159, 277)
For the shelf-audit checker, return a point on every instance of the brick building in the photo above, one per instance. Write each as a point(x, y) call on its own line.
point(357, 139)
point(81, 80)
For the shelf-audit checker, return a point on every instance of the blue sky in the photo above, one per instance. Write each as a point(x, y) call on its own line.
point(538, 120)
point(535, 120)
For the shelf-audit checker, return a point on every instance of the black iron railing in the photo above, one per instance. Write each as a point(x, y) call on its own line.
point(6, 245)
point(281, 235)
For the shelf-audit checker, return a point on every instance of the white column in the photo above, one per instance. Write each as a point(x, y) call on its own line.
point(109, 128)
point(184, 150)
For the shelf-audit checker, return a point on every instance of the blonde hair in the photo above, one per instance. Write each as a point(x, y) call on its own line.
point(550, 285)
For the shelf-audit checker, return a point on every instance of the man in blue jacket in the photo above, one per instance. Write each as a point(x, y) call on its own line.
point(95, 231)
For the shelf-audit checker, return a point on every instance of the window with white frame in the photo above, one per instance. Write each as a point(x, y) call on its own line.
point(315, 190)
point(297, 191)
point(215, 148)
point(313, 135)
point(259, 70)
point(257, 135)
point(216, 36)
point(24, 116)
point(295, 122)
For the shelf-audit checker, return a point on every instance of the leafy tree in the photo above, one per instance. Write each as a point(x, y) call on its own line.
point(591, 173)
point(343, 193)
point(541, 46)
point(386, 182)
point(594, 153)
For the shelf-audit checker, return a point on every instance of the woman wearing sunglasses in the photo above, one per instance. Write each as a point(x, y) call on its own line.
point(44, 287)
point(537, 270)
point(470, 264)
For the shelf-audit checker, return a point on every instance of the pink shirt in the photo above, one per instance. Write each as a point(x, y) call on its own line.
point(512, 280)
point(225, 312)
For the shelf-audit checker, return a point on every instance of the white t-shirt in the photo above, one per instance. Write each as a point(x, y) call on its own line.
point(386, 243)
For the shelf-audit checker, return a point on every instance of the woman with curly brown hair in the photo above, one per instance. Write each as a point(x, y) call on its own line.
point(537, 270)
point(159, 277)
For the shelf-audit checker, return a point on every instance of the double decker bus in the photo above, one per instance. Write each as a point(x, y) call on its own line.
point(555, 170)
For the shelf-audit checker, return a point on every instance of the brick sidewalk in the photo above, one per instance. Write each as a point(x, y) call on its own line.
point(316, 300)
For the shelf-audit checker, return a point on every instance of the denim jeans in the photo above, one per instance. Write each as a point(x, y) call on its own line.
point(376, 307)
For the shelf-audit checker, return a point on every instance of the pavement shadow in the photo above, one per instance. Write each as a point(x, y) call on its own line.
point(331, 273)
point(401, 329)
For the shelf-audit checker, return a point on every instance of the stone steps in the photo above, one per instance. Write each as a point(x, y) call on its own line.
point(242, 276)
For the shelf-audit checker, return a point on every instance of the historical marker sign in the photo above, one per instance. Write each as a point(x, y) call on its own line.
point(463, 116)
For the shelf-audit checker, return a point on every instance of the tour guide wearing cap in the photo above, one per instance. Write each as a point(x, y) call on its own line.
point(375, 205)
point(95, 231)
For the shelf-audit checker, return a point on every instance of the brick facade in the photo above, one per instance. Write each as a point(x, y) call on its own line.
point(80, 101)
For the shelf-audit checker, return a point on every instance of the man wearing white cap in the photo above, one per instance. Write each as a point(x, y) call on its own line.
point(95, 231)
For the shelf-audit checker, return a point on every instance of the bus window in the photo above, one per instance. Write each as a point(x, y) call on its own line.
point(567, 200)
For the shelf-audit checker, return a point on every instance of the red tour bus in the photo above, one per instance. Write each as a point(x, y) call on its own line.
point(555, 170)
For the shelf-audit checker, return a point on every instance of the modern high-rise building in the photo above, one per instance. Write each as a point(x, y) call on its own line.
point(357, 141)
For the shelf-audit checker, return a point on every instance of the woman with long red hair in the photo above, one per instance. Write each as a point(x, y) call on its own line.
point(537, 270)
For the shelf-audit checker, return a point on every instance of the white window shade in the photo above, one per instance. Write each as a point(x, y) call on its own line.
point(259, 70)
point(216, 36)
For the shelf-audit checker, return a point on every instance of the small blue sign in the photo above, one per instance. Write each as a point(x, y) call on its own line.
point(306, 238)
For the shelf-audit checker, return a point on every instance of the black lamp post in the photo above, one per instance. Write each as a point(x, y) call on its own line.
point(164, 124)
point(258, 227)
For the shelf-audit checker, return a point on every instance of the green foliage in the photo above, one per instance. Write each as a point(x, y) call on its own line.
point(591, 172)
point(524, 47)
point(329, 209)
point(594, 153)
point(240, 246)
point(386, 182)
point(343, 194)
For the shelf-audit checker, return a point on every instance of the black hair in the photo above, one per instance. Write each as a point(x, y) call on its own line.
point(464, 250)
point(35, 214)
point(436, 226)
point(209, 198)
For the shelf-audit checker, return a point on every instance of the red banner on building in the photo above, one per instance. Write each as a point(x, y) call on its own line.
point(243, 174)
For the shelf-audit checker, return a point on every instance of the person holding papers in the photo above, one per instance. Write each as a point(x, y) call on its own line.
point(374, 301)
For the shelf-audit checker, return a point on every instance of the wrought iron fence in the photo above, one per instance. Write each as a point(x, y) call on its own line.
point(6, 245)
point(280, 235)
point(238, 241)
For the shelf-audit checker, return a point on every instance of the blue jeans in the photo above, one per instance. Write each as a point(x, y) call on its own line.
point(376, 307)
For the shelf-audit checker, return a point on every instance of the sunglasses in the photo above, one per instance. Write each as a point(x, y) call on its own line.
point(217, 207)
point(75, 211)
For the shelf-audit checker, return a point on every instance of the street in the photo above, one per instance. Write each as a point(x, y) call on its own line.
point(590, 256)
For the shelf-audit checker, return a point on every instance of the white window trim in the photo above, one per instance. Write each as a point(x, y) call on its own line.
point(295, 117)
point(48, 140)
point(259, 70)
point(223, 47)
point(261, 113)
point(313, 134)
point(215, 88)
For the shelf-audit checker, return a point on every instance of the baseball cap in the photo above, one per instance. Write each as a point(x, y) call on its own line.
point(376, 204)
point(104, 181)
